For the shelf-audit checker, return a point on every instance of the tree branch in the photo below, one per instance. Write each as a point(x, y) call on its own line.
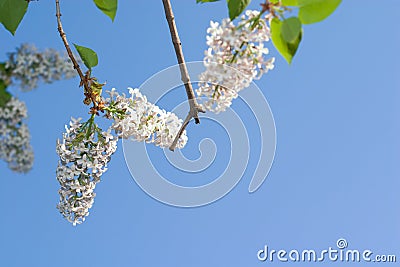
point(195, 108)
point(84, 79)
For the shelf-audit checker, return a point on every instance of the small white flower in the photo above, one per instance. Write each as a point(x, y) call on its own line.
point(83, 159)
point(236, 56)
point(144, 121)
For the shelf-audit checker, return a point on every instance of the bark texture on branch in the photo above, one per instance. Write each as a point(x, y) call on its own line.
point(194, 106)
point(63, 36)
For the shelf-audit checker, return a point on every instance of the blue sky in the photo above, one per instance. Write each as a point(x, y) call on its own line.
point(336, 170)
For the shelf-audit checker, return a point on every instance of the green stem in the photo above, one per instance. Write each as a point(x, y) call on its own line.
point(89, 130)
point(232, 60)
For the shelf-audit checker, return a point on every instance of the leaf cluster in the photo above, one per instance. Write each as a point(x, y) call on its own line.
point(287, 33)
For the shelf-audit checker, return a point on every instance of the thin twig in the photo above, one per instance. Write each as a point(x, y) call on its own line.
point(63, 36)
point(195, 108)
point(180, 132)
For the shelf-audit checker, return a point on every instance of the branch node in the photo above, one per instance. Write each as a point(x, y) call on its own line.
point(84, 79)
point(195, 108)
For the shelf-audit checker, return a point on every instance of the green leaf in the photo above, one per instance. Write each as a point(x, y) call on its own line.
point(88, 56)
point(286, 49)
point(277, 39)
point(312, 11)
point(205, 1)
point(293, 46)
point(11, 13)
point(3, 67)
point(4, 95)
point(274, 1)
point(291, 29)
point(236, 7)
point(290, 2)
point(108, 7)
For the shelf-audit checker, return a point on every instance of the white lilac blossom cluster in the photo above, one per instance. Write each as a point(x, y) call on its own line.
point(135, 117)
point(84, 154)
point(236, 56)
point(15, 146)
point(27, 66)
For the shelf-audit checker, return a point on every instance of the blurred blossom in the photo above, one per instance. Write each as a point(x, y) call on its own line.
point(15, 146)
point(27, 67)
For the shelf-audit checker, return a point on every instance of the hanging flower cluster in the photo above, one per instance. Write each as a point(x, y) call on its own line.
point(15, 146)
point(236, 56)
point(84, 154)
point(27, 66)
point(135, 117)
point(85, 149)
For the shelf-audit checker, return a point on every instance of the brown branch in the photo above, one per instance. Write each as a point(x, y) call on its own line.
point(180, 132)
point(84, 79)
point(195, 108)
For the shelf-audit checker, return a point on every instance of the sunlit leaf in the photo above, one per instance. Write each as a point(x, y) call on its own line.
point(88, 56)
point(108, 7)
point(236, 7)
point(312, 11)
point(289, 2)
point(285, 48)
point(291, 29)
